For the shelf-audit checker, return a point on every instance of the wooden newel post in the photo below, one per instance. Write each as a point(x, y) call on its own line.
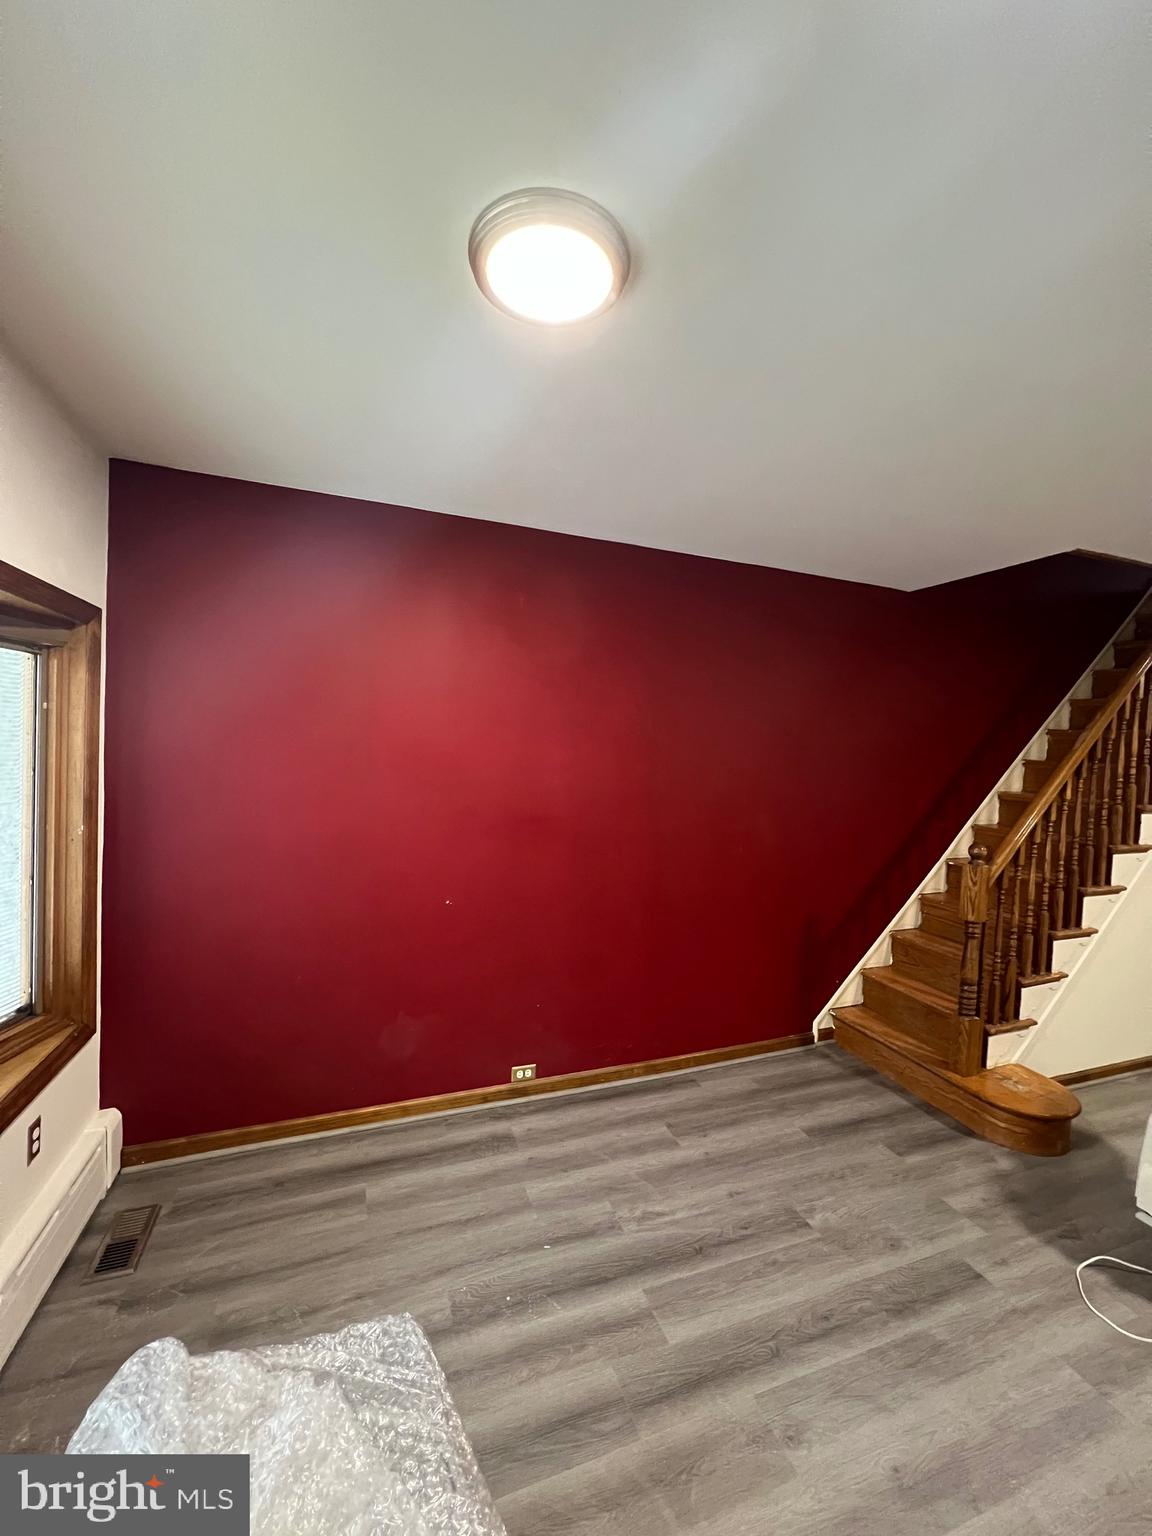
point(974, 915)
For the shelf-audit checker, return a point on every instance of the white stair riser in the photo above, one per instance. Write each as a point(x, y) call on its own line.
point(1097, 908)
point(1002, 1048)
point(1125, 867)
point(1067, 953)
point(1034, 1000)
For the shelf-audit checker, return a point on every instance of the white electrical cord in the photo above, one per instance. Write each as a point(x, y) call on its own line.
point(1105, 1258)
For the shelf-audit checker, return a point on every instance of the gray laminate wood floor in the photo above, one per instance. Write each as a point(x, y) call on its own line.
point(774, 1297)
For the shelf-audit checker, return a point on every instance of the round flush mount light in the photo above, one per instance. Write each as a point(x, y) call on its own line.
point(549, 256)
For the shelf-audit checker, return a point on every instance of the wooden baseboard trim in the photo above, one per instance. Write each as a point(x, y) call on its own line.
point(404, 1109)
point(1094, 1074)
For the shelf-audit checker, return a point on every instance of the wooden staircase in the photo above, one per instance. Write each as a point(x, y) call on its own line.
point(963, 976)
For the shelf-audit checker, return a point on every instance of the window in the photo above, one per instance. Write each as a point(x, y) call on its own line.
point(49, 810)
point(19, 709)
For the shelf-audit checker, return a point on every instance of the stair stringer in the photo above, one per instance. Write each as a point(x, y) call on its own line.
point(851, 990)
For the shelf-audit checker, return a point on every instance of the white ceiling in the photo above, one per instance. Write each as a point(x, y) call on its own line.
point(890, 317)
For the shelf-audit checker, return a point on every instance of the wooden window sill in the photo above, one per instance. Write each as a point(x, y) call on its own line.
point(31, 1054)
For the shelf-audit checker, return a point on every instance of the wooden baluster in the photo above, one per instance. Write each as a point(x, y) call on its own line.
point(1011, 964)
point(1131, 732)
point(995, 998)
point(1076, 833)
point(1092, 774)
point(1119, 832)
point(1120, 817)
point(1107, 795)
point(974, 915)
point(1046, 835)
point(1137, 750)
point(1058, 904)
point(1143, 746)
point(1031, 854)
point(1144, 795)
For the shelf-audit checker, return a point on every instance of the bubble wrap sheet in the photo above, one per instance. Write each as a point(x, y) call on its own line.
point(350, 1433)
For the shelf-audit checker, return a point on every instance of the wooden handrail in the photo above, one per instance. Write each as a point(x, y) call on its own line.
point(1064, 770)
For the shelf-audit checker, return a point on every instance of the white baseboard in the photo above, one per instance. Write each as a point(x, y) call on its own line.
point(43, 1237)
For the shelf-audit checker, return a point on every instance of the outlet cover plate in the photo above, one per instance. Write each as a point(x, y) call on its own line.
point(524, 1074)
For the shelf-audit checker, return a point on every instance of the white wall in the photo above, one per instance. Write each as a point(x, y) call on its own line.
point(53, 524)
point(1102, 1014)
point(67, 1108)
point(53, 490)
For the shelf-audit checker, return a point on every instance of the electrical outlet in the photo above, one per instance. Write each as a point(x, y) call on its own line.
point(34, 1140)
point(524, 1074)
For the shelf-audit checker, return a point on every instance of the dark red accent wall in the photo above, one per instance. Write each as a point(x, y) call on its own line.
point(395, 801)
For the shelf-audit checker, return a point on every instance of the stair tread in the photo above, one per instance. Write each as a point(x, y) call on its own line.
point(1072, 933)
point(1134, 647)
point(927, 958)
point(1009, 1027)
point(1132, 847)
point(857, 1013)
point(1082, 712)
point(1107, 678)
point(860, 1016)
point(932, 941)
point(1037, 772)
point(1102, 890)
point(888, 976)
point(1042, 978)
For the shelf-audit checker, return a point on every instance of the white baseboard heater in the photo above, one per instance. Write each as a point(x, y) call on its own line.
point(46, 1233)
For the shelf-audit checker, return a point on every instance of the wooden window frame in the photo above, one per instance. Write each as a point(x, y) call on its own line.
point(66, 631)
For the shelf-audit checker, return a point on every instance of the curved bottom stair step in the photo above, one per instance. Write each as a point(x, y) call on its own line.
point(1009, 1105)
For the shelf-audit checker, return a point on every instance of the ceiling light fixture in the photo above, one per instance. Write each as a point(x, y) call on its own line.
point(549, 256)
